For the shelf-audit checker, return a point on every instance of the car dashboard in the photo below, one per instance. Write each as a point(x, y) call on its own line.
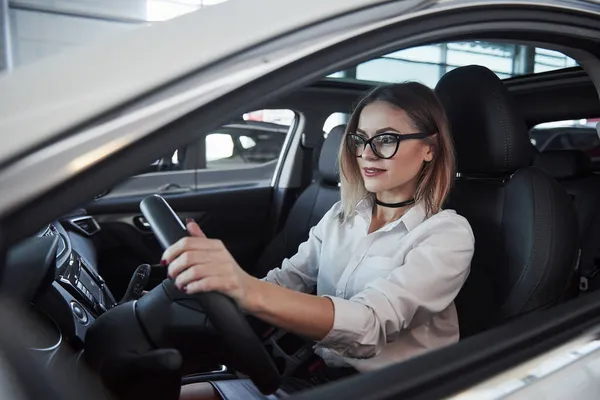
point(78, 294)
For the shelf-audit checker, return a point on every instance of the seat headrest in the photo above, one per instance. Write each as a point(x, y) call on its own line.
point(328, 159)
point(564, 164)
point(490, 135)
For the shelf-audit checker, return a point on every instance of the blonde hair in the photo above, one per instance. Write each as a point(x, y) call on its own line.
point(427, 115)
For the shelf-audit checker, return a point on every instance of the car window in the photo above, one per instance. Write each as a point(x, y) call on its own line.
point(427, 64)
point(255, 140)
point(245, 150)
point(568, 135)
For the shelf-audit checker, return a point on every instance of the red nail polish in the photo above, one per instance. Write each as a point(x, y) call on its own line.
point(163, 262)
point(189, 219)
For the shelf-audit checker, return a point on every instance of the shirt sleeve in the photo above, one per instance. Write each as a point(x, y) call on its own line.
point(432, 274)
point(300, 272)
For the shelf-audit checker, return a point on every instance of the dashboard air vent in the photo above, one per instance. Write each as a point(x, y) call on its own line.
point(86, 225)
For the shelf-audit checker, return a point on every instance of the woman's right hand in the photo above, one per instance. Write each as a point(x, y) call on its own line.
point(199, 264)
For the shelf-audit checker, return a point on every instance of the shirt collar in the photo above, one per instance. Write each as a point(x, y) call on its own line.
point(414, 216)
point(410, 220)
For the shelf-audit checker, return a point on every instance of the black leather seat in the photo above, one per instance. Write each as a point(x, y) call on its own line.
point(308, 209)
point(573, 170)
point(524, 222)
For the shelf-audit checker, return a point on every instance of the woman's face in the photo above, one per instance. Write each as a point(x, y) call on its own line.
point(393, 179)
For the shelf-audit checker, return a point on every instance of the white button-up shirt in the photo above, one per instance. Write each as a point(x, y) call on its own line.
point(393, 290)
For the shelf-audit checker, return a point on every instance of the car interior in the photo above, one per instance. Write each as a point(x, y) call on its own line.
point(534, 214)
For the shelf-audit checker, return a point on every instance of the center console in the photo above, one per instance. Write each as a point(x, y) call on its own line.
point(84, 284)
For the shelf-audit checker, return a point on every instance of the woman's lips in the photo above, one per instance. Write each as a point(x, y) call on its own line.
point(371, 172)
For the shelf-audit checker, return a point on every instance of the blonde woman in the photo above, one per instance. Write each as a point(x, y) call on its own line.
point(386, 261)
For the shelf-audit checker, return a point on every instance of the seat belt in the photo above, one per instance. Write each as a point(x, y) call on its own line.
point(307, 162)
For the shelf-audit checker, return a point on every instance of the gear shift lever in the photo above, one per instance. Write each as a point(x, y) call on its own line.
point(137, 283)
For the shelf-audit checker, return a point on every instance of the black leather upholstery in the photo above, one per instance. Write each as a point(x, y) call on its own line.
point(308, 209)
point(328, 159)
point(573, 169)
point(524, 223)
point(489, 134)
point(564, 164)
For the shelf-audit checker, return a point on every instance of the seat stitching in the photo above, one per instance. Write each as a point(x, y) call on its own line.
point(502, 115)
point(546, 269)
point(531, 256)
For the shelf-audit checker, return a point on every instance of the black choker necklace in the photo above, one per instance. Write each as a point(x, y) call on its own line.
point(395, 205)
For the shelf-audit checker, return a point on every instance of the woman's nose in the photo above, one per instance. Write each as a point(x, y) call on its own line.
point(368, 153)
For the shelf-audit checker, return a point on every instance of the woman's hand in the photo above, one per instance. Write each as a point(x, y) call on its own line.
point(198, 264)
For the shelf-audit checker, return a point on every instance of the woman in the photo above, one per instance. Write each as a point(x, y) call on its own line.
point(386, 261)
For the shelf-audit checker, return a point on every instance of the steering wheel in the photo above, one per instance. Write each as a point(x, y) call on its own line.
point(240, 340)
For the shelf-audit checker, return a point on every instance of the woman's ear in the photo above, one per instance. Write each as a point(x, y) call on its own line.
point(430, 148)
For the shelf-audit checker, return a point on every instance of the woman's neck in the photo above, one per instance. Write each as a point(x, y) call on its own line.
point(393, 198)
point(384, 215)
point(388, 214)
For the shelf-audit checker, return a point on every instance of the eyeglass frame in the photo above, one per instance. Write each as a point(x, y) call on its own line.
point(398, 136)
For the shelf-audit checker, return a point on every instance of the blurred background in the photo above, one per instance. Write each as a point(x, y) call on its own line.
point(34, 29)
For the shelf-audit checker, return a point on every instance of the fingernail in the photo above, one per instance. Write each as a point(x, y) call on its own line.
point(189, 219)
point(184, 288)
point(163, 262)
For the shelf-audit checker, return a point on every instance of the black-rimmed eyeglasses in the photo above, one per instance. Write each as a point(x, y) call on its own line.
point(384, 145)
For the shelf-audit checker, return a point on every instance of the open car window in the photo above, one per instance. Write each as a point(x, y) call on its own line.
point(244, 150)
point(256, 138)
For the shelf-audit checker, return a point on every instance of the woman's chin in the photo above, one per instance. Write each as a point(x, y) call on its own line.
point(372, 187)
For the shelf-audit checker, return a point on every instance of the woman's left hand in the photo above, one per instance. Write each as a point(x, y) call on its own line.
point(198, 264)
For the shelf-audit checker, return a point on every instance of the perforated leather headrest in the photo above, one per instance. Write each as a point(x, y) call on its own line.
point(489, 133)
point(328, 159)
point(564, 164)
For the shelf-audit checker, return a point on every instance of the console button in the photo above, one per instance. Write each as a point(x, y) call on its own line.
point(79, 312)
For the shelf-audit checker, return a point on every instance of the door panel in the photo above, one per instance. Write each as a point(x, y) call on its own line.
point(168, 182)
point(237, 214)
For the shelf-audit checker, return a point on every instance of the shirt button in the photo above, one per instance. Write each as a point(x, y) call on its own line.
point(339, 293)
